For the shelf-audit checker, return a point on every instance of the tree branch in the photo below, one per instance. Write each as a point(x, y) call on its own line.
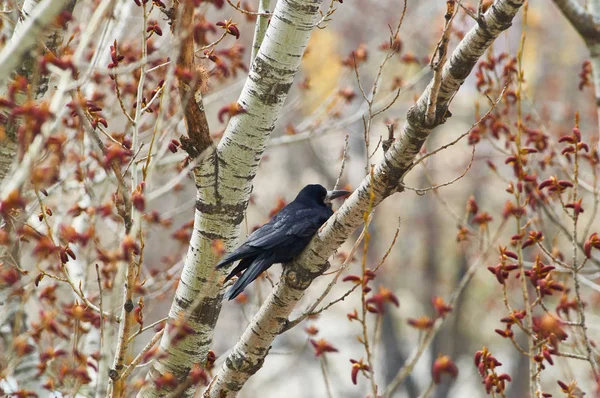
point(582, 21)
point(23, 40)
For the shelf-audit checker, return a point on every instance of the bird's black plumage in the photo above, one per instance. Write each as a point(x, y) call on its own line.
point(282, 238)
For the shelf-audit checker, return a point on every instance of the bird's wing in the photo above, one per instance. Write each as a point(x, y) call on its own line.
point(263, 238)
point(273, 233)
point(308, 222)
point(259, 264)
point(286, 225)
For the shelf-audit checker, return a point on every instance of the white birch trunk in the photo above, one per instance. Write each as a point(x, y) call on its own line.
point(224, 184)
point(249, 353)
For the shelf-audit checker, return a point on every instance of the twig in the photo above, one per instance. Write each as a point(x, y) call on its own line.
point(534, 380)
point(253, 13)
point(260, 28)
point(344, 157)
point(363, 318)
point(213, 44)
point(455, 141)
point(442, 53)
point(468, 11)
point(157, 336)
point(340, 124)
point(410, 363)
point(80, 294)
point(148, 327)
point(326, 17)
point(101, 323)
point(422, 191)
point(125, 210)
point(575, 269)
point(119, 97)
point(323, 362)
point(428, 391)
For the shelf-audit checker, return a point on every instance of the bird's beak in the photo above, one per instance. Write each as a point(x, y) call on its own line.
point(335, 194)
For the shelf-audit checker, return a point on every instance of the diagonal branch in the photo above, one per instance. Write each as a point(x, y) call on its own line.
point(249, 353)
point(12, 54)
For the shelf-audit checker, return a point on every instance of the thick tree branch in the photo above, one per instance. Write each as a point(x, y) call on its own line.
point(582, 21)
point(249, 353)
point(12, 55)
point(224, 183)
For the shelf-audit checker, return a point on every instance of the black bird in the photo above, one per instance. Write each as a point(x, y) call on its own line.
point(282, 238)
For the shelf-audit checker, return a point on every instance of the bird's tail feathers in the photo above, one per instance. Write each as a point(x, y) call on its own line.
point(230, 258)
point(245, 263)
point(257, 266)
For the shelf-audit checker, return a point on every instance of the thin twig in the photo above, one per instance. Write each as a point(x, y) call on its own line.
point(157, 336)
point(453, 142)
point(441, 51)
point(411, 362)
point(253, 13)
point(344, 157)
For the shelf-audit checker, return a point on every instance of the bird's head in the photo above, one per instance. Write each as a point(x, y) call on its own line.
point(319, 194)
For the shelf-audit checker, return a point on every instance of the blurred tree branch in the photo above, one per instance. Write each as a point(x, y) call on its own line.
point(29, 29)
point(25, 35)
